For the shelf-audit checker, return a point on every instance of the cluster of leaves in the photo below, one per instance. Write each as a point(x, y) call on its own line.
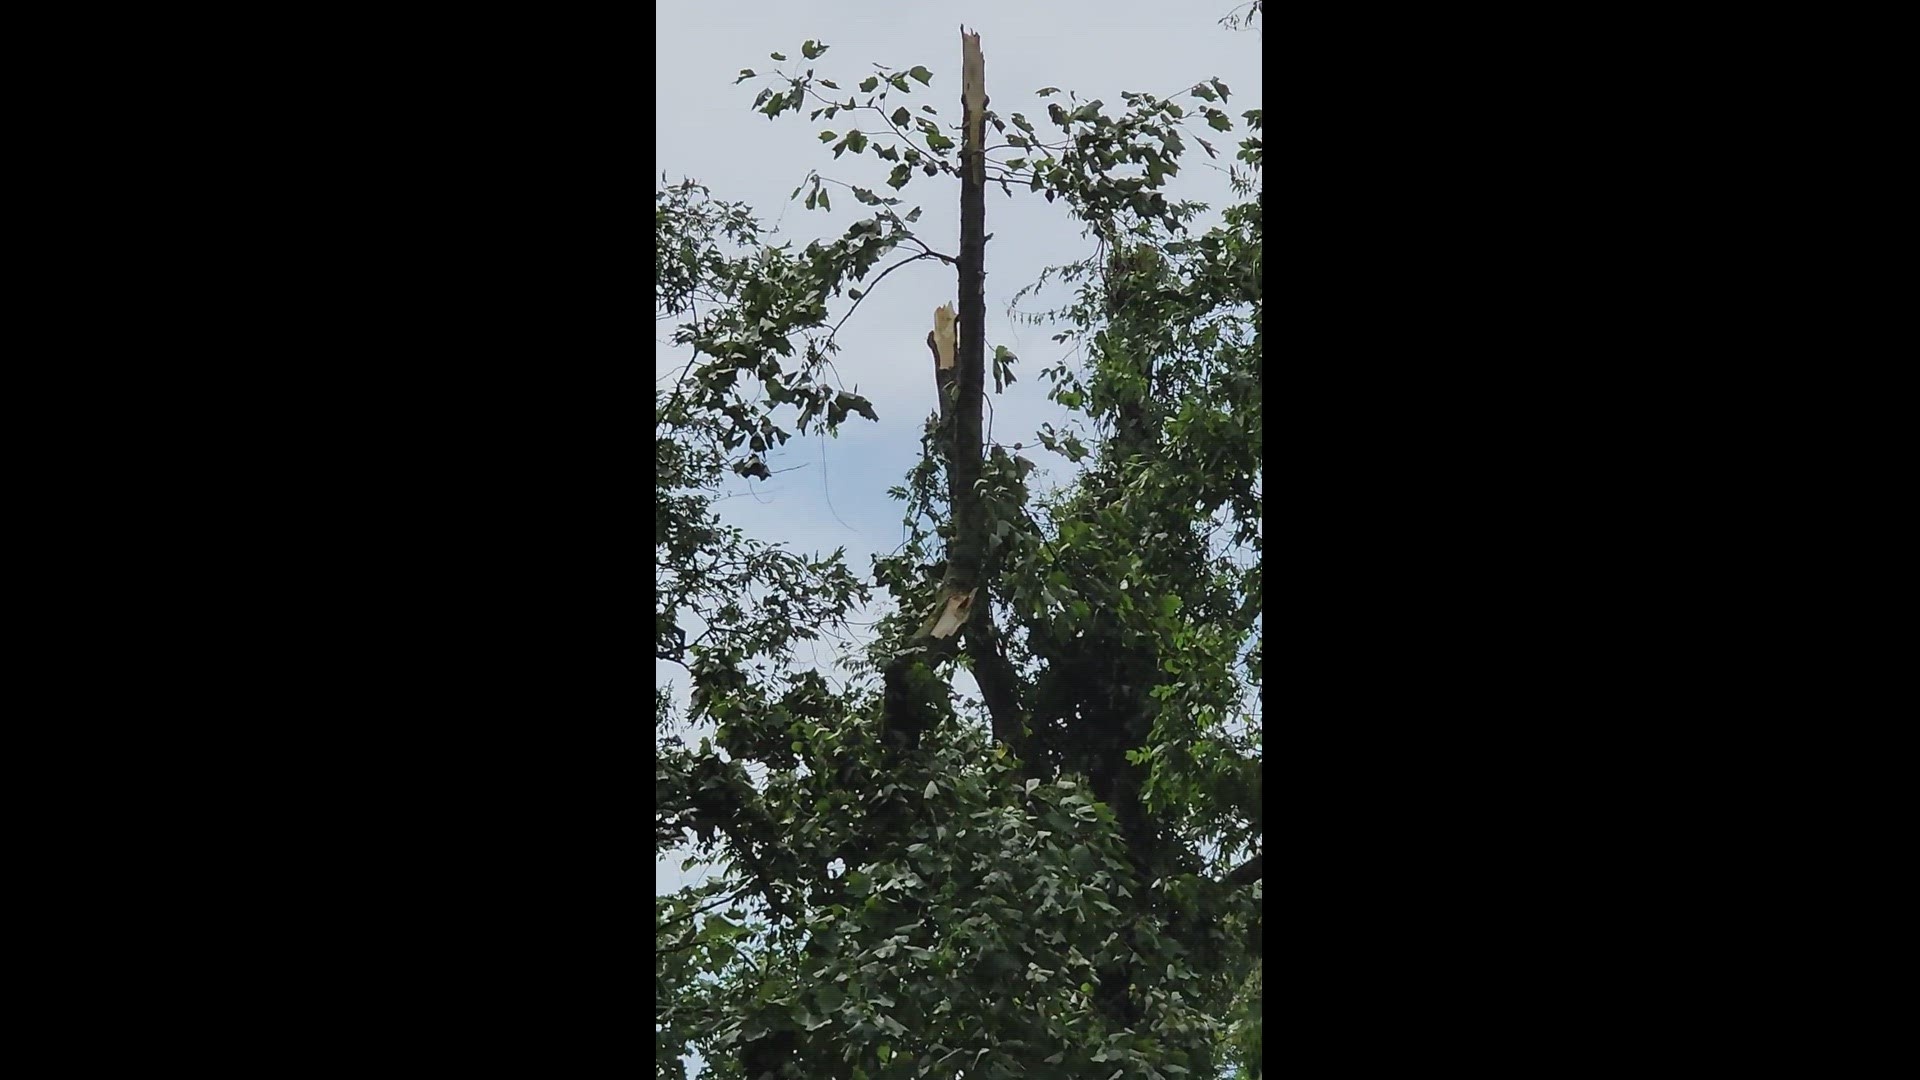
point(949, 909)
point(1154, 552)
point(763, 304)
point(753, 315)
point(912, 143)
point(954, 917)
point(747, 310)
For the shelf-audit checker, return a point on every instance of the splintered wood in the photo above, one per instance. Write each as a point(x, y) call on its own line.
point(944, 338)
point(952, 614)
point(973, 99)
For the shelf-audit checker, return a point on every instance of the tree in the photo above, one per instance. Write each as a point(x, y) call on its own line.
point(1069, 888)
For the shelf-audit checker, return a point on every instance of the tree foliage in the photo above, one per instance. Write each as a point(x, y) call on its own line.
point(1082, 900)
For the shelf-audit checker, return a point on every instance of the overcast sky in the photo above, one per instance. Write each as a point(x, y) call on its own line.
point(707, 132)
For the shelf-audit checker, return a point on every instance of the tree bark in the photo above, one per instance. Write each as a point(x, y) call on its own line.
point(969, 533)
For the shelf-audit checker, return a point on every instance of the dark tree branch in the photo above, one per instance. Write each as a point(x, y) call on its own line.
point(999, 683)
point(948, 259)
point(764, 881)
point(868, 291)
point(1245, 874)
point(727, 898)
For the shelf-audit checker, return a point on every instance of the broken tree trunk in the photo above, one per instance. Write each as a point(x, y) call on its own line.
point(961, 610)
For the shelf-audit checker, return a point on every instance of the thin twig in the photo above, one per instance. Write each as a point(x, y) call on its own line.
point(829, 491)
point(869, 291)
point(883, 115)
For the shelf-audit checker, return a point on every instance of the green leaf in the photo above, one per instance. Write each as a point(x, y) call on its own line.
point(1218, 121)
point(884, 1052)
point(921, 74)
point(898, 178)
point(745, 74)
point(868, 84)
point(1045, 90)
point(811, 49)
point(777, 56)
point(828, 136)
point(901, 117)
point(856, 142)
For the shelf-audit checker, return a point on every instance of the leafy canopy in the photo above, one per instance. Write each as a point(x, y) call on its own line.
point(954, 908)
